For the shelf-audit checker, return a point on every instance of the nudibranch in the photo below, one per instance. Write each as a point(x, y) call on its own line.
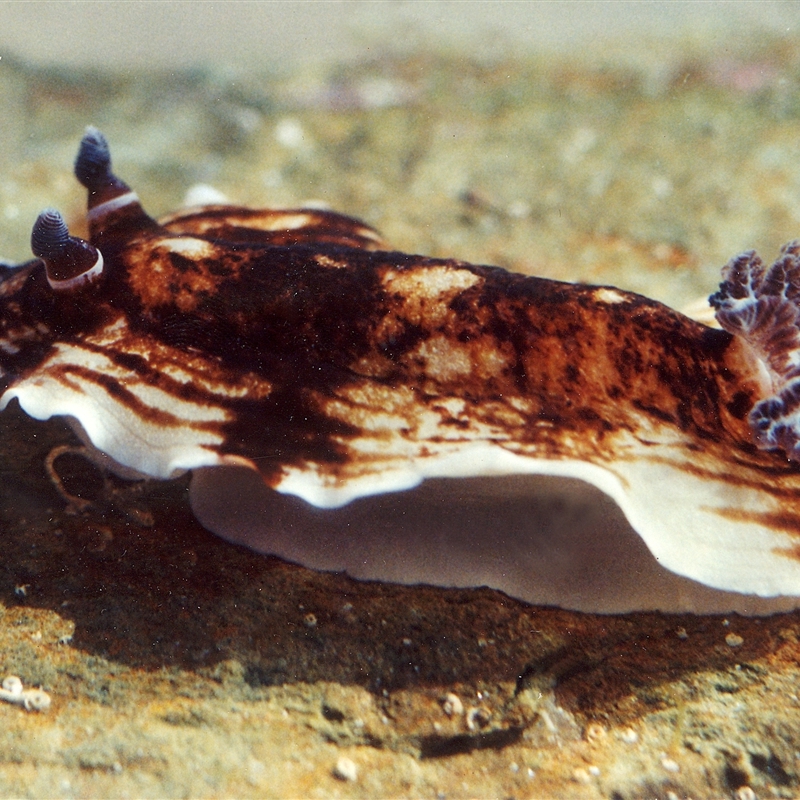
point(311, 378)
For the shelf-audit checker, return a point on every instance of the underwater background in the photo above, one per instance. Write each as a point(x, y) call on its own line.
point(635, 144)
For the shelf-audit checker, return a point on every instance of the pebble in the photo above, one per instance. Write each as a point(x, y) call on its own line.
point(734, 640)
point(345, 769)
point(452, 705)
point(670, 765)
point(594, 732)
point(580, 775)
point(289, 132)
point(629, 736)
point(12, 691)
point(203, 194)
point(477, 718)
